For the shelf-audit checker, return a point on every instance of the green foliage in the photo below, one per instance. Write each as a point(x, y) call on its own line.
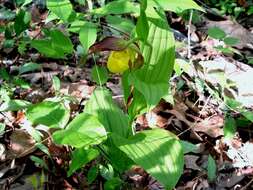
point(158, 152)
point(211, 168)
point(87, 35)
point(51, 114)
point(61, 8)
point(229, 127)
point(14, 105)
point(85, 130)
point(80, 157)
point(99, 74)
point(103, 129)
point(216, 33)
point(57, 46)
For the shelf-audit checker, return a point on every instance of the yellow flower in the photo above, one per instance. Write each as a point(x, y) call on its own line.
point(118, 61)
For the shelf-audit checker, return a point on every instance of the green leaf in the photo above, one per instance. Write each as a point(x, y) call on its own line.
point(176, 6)
point(2, 128)
point(27, 67)
point(113, 184)
point(92, 174)
point(76, 25)
point(56, 46)
point(22, 21)
point(87, 35)
point(248, 115)
point(188, 147)
point(99, 75)
point(211, 168)
point(51, 114)
point(142, 27)
point(80, 157)
point(229, 127)
point(107, 171)
point(117, 7)
point(159, 152)
point(61, 42)
point(216, 32)
point(122, 24)
point(231, 41)
point(109, 114)
point(39, 161)
point(152, 79)
point(56, 83)
point(14, 105)
point(61, 8)
point(84, 130)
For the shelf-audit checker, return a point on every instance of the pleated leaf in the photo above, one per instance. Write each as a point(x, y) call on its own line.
point(152, 79)
point(159, 152)
point(109, 114)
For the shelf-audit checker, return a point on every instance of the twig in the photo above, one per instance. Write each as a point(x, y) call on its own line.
point(189, 35)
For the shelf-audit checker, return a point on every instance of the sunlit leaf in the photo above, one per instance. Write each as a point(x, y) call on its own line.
point(14, 105)
point(87, 35)
point(159, 152)
point(152, 79)
point(229, 127)
point(80, 157)
point(84, 130)
point(117, 7)
point(51, 114)
point(61, 8)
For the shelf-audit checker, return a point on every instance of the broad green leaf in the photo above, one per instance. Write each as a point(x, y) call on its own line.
point(56, 83)
point(27, 67)
point(142, 27)
point(92, 174)
point(211, 168)
point(45, 47)
point(119, 23)
point(14, 105)
point(231, 41)
point(107, 172)
point(39, 161)
point(109, 114)
point(188, 147)
point(60, 42)
point(152, 79)
point(84, 130)
point(76, 25)
point(22, 21)
point(113, 184)
point(159, 152)
point(87, 35)
point(99, 75)
point(80, 157)
point(229, 127)
point(117, 7)
point(248, 115)
point(176, 6)
point(51, 114)
point(216, 32)
point(61, 8)
point(56, 46)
